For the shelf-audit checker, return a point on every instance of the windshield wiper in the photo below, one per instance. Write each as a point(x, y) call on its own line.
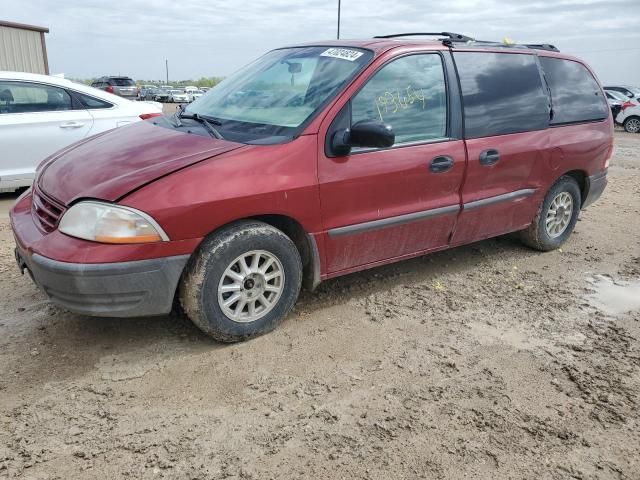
point(206, 121)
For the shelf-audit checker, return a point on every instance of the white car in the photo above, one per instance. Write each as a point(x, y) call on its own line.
point(629, 117)
point(193, 94)
point(41, 114)
point(177, 96)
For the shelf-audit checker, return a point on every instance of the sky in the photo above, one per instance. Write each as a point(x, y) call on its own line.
point(90, 38)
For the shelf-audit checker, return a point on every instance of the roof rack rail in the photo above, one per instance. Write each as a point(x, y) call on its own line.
point(542, 46)
point(454, 37)
point(450, 38)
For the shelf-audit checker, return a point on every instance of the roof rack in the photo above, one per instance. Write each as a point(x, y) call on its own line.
point(451, 38)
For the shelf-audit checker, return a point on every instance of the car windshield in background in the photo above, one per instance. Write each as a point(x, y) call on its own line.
point(275, 95)
point(122, 82)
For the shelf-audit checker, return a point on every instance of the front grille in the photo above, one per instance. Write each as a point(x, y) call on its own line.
point(46, 211)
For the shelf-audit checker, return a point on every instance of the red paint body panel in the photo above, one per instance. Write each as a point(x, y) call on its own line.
point(111, 165)
point(376, 185)
point(522, 165)
point(255, 180)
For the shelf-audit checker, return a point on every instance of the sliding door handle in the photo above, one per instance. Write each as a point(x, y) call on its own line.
point(489, 157)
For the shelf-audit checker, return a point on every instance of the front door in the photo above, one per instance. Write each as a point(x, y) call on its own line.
point(382, 204)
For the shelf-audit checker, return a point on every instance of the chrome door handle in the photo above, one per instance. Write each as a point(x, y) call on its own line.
point(72, 125)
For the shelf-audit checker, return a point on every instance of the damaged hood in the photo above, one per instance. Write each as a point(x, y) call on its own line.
point(110, 165)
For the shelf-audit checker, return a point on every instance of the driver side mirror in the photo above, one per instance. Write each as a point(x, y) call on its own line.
point(365, 133)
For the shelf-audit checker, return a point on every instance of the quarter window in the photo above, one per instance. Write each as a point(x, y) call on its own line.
point(410, 95)
point(502, 93)
point(19, 97)
point(575, 93)
point(91, 103)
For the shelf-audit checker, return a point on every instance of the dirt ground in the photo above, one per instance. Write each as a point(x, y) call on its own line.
point(487, 361)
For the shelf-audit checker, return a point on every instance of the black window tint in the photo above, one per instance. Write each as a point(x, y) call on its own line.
point(19, 97)
point(91, 103)
point(502, 93)
point(575, 93)
point(122, 82)
point(410, 95)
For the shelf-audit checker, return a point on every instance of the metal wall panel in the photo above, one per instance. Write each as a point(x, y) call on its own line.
point(21, 50)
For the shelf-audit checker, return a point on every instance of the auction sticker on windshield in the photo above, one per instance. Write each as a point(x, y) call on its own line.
point(342, 53)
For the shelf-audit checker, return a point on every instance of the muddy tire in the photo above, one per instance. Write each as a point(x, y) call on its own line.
point(242, 282)
point(556, 218)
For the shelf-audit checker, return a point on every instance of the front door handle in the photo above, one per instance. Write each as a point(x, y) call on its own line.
point(489, 157)
point(72, 125)
point(441, 164)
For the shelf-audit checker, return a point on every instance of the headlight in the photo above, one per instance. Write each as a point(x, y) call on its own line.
point(106, 223)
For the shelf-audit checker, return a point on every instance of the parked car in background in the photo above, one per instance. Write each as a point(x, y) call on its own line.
point(193, 94)
point(167, 87)
point(629, 91)
point(121, 86)
point(158, 95)
point(625, 103)
point(614, 103)
point(143, 93)
point(40, 115)
point(622, 97)
point(190, 88)
point(177, 96)
point(629, 117)
point(300, 166)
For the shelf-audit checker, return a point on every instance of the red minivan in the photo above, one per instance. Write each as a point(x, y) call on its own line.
point(316, 161)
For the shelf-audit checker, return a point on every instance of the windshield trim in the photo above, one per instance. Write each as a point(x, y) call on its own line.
point(297, 131)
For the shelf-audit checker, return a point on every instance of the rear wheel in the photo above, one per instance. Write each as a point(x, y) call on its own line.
point(243, 281)
point(632, 124)
point(556, 217)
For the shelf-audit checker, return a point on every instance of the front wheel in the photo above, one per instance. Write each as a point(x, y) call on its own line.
point(242, 282)
point(632, 124)
point(556, 218)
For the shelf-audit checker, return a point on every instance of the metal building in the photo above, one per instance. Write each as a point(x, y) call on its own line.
point(23, 48)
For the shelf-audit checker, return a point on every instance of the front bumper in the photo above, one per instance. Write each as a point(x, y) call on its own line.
point(124, 289)
point(594, 188)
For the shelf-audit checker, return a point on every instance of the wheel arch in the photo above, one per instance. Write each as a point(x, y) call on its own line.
point(304, 242)
point(582, 178)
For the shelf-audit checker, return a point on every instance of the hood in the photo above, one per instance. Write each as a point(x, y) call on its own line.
point(110, 165)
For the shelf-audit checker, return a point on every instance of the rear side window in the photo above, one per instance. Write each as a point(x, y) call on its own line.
point(122, 82)
point(409, 94)
point(575, 93)
point(91, 103)
point(18, 97)
point(502, 93)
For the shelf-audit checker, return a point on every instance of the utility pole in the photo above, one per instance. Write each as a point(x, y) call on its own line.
point(338, 19)
point(166, 66)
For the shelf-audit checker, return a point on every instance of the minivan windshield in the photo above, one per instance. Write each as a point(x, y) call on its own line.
point(271, 99)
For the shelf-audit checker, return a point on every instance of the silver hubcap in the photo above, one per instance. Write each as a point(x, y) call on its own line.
point(559, 214)
point(633, 125)
point(251, 286)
